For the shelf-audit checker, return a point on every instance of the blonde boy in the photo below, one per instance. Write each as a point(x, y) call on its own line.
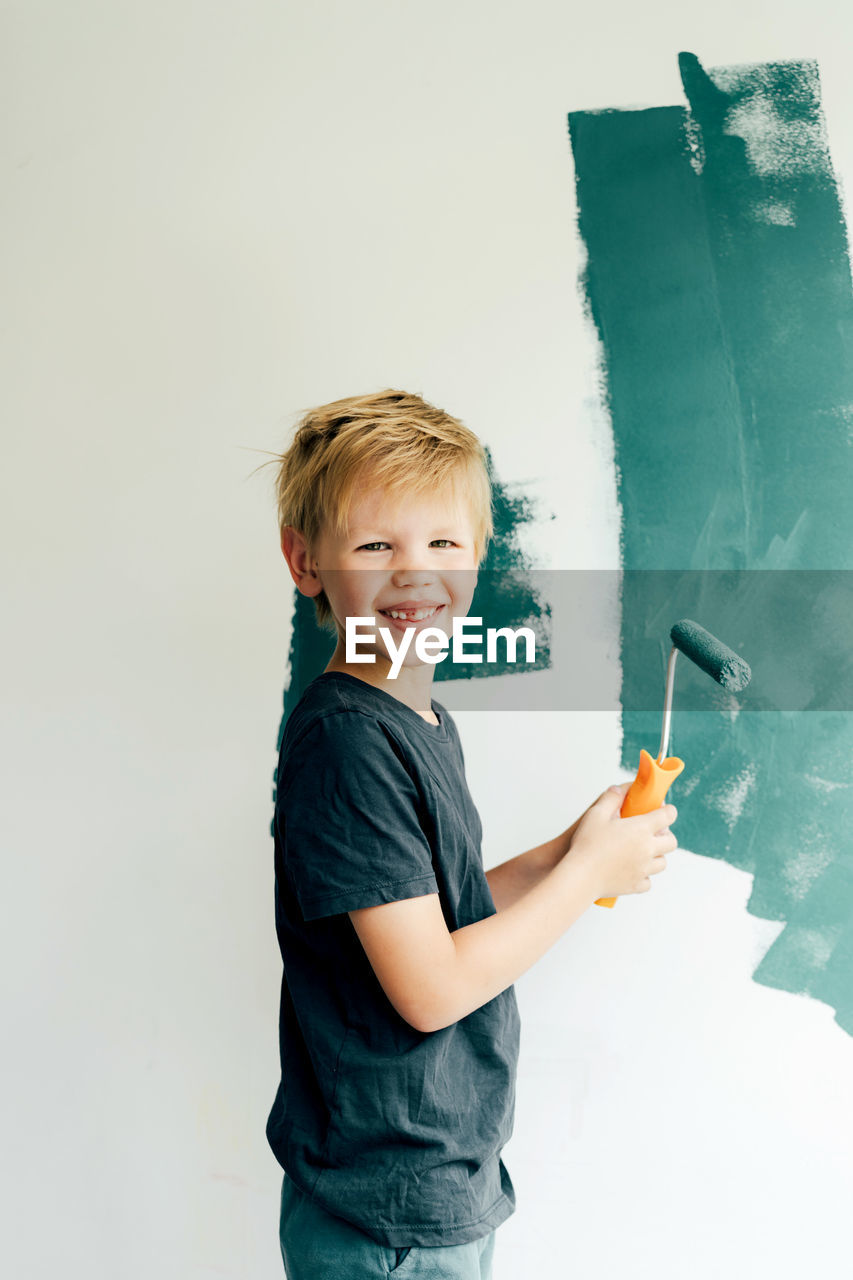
point(398, 1021)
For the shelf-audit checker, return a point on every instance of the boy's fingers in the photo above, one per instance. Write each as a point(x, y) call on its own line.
point(611, 799)
point(664, 816)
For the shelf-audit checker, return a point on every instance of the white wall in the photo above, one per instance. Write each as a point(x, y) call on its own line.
point(216, 215)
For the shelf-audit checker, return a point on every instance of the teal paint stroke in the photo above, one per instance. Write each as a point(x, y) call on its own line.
point(506, 596)
point(719, 282)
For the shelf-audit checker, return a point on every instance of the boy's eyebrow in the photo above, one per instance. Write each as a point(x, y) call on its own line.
point(357, 530)
point(372, 534)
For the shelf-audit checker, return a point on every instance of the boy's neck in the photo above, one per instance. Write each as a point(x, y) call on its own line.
point(412, 685)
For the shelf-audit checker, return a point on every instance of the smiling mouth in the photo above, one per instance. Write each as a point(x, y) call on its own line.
point(412, 615)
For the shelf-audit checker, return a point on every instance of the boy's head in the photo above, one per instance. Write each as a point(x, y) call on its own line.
point(392, 442)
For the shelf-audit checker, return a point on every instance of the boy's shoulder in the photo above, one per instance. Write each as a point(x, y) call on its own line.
point(346, 707)
point(324, 696)
point(344, 734)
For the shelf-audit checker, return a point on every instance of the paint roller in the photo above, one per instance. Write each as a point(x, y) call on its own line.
point(654, 777)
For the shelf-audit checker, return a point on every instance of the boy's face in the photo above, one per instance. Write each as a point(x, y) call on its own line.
point(413, 555)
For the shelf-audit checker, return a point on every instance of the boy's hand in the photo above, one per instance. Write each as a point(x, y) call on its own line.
point(620, 786)
point(623, 853)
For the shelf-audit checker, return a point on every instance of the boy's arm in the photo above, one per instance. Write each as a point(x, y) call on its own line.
point(434, 977)
point(510, 880)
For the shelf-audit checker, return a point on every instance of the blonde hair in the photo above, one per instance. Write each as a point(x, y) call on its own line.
point(395, 438)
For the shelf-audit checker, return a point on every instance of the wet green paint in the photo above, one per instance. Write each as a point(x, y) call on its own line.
point(719, 281)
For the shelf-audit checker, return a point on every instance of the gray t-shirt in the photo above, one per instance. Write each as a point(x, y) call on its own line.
point(396, 1130)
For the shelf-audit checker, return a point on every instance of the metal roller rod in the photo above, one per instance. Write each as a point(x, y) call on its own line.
point(667, 705)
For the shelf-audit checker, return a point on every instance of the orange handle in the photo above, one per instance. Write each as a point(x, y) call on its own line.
point(647, 792)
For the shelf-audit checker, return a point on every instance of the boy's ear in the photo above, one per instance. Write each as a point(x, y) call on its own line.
point(295, 551)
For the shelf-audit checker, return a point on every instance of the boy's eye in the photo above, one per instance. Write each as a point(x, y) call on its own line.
point(374, 546)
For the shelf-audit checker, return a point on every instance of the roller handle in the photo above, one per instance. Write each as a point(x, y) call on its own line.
point(647, 792)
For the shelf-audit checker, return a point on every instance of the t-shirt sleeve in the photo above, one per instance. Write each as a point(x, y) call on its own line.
point(347, 811)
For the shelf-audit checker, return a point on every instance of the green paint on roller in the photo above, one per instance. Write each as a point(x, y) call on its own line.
point(719, 281)
point(717, 659)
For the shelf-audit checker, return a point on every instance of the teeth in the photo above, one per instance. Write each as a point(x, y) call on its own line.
point(411, 615)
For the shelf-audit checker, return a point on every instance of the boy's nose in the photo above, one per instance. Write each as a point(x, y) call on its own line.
point(412, 577)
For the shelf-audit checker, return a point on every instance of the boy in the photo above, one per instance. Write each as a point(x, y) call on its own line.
point(398, 1021)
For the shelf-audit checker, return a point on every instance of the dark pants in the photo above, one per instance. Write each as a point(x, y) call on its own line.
point(317, 1246)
